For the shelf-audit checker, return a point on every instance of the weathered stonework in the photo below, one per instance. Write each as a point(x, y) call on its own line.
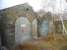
point(8, 19)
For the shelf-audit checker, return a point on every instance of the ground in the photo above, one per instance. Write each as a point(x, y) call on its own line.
point(59, 43)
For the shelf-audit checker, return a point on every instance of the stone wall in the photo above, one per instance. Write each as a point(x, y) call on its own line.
point(8, 19)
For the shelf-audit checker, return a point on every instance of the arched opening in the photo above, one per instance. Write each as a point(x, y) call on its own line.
point(44, 28)
point(23, 30)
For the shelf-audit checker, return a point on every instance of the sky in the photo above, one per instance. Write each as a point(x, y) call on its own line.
point(54, 6)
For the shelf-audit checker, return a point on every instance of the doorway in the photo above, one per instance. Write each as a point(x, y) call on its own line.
point(23, 30)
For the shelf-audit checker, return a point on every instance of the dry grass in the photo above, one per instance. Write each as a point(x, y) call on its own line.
point(44, 44)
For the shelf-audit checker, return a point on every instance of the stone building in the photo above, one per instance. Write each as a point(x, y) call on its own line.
point(20, 24)
point(17, 25)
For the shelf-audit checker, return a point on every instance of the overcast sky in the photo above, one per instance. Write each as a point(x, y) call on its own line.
point(55, 6)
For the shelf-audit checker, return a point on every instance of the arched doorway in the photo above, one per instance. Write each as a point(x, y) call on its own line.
point(23, 30)
point(44, 28)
